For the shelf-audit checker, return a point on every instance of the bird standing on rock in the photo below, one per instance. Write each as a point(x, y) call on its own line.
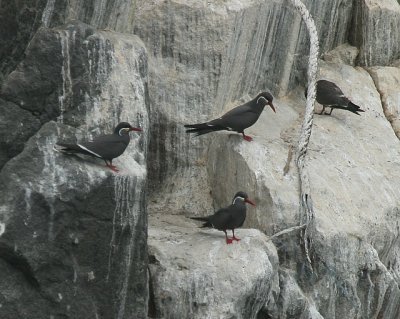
point(237, 119)
point(106, 147)
point(330, 95)
point(230, 217)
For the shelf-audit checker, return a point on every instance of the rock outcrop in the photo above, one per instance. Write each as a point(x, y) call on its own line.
point(387, 81)
point(73, 234)
point(376, 31)
point(211, 279)
point(203, 57)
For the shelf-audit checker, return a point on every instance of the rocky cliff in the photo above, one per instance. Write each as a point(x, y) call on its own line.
point(80, 241)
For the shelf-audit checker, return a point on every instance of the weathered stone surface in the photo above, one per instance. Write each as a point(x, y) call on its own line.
point(72, 230)
point(206, 61)
point(116, 15)
point(69, 70)
point(204, 56)
point(19, 21)
point(344, 53)
point(353, 171)
point(16, 126)
point(43, 81)
point(63, 218)
point(387, 81)
point(376, 31)
point(73, 233)
point(292, 301)
point(258, 168)
point(195, 274)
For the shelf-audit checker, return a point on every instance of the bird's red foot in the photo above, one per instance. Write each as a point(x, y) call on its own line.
point(247, 138)
point(235, 238)
point(229, 241)
point(113, 168)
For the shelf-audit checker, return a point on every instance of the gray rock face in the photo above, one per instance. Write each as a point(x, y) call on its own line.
point(377, 31)
point(386, 80)
point(211, 279)
point(18, 23)
point(73, 233)
point(352, 276)
point(116, 15)
point(16, 126)
point(203, 57)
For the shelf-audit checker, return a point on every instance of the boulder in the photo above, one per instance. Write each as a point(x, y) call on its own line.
point(73, 233)
point(194, 273)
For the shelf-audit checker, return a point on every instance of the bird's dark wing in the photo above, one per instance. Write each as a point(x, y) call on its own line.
point(328, 93)
point(222, 218)
point(106, 146)
point(238, 110)
point(237, 119)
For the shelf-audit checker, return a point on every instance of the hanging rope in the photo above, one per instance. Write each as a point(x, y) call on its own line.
point(306, 207)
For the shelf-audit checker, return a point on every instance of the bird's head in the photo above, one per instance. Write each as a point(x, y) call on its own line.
point(242, 196)
point(265, 98)
point(124, 128)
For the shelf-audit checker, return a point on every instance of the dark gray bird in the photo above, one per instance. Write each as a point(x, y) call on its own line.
point(230, 217)
point(330, 95)
point(106, 147)
point(237, 119)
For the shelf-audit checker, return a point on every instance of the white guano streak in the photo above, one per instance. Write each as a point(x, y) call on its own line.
point(65, 97)
point(47, 13)
point(2, 228)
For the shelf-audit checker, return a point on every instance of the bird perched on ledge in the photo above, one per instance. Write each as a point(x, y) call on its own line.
point(237, 119)
point(330, 95)
point(230, 217)
point(106, 147)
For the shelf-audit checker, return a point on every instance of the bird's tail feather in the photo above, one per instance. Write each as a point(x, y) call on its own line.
point(202, 128)
point(203, 219)
point(197, 126)
point(354, 108)
point(69, 148)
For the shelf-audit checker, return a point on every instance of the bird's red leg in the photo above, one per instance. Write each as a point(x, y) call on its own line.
point(246, 137)
point(111, 166)
point(228, 240)
point(234, 238)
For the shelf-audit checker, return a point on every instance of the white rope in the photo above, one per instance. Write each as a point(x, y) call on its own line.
point(306, 207)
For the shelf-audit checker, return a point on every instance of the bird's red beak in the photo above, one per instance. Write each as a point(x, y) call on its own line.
point(272, 106)
point(249, 201)
point(135, 129)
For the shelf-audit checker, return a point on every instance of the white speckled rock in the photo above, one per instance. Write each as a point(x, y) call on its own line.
point(354, 173)
point(73, 233)
point(195, 274)
point(203, 56)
